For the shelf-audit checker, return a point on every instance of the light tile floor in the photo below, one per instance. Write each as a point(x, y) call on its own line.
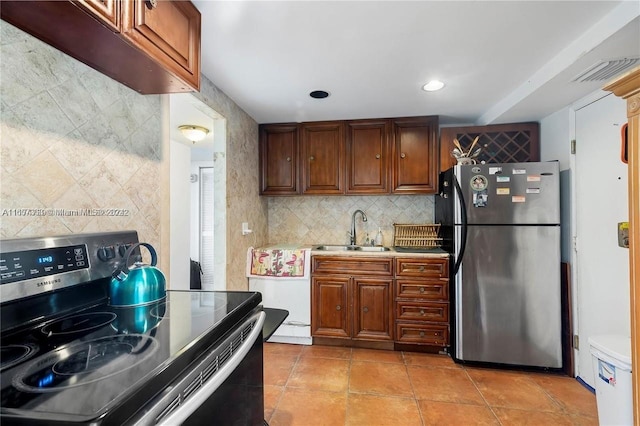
point(323, 385)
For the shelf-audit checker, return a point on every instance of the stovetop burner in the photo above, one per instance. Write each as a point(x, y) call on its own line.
point(84, 363)
point(11, 355)
point(78, 324)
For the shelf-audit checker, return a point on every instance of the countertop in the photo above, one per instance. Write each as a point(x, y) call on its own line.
point(433, 253)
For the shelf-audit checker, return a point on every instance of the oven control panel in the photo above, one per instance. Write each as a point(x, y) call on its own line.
point(28, 264)
point(36, 265)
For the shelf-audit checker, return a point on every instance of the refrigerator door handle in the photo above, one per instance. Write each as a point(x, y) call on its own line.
point(463, 214)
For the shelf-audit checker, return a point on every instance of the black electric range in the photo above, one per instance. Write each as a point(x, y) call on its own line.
point(68, 357)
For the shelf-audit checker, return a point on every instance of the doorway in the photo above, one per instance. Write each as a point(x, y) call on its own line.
point(197, 195)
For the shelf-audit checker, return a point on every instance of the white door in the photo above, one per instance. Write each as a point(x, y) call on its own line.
point(601, 202)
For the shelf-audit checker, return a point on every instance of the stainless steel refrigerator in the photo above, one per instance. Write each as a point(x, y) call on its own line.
point(501, 225)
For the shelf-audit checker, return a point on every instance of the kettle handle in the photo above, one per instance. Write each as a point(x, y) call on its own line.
point(123, 270)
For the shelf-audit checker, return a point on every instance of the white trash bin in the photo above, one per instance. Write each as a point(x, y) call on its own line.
point(611, 360)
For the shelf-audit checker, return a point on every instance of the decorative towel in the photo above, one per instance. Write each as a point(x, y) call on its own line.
point(278, 261)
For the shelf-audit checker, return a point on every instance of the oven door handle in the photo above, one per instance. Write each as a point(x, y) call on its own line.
point(182, 413)
point(195, 400)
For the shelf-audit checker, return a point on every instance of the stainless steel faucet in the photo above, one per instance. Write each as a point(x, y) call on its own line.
point(352, 234)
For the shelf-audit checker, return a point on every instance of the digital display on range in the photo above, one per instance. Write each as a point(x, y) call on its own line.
point(45, 259)
point(29, 264)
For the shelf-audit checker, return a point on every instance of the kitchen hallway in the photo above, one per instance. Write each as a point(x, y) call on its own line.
point(323, 385)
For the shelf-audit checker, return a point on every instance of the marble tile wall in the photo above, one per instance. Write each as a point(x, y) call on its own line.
point(72, 138)
point(316, 220)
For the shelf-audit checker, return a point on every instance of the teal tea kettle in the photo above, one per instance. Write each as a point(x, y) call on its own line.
point(138, 284)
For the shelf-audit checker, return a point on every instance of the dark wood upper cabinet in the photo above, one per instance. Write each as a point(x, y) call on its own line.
point(500, 143)
point(367, 157)
point(107, 11)
point(354, 157)
point(415, 143)
point(151, 47)
point(169, 32)
point(279, 159)
point(322, 157)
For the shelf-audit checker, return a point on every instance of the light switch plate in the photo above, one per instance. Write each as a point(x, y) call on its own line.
point(623, 234)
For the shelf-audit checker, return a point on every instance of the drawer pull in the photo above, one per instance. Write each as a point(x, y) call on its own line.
point(338, 307)
point(421, 268)
point(422, 334)
point(365, 309)
point(377, 156)
point(421, 311)
point(421, 289)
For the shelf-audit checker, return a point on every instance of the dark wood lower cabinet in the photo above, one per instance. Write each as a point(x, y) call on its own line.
point(378, 302)
point(350, 309)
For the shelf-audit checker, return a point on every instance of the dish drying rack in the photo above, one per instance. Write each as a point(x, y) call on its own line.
point(422, 236)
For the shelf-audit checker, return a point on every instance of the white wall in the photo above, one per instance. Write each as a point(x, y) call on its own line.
point(555, 137)
point(180, 158)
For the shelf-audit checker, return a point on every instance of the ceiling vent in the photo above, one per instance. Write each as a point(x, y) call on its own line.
point(605, 70)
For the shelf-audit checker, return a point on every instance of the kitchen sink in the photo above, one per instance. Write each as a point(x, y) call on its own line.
point(329, 247)
point(369, 248)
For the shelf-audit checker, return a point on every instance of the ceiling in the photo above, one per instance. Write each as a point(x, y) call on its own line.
point(505, 61)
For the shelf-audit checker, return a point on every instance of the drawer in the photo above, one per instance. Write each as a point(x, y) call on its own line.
point(352, 265)
point(433, 311)
point(426, 334)
point(423, 289)
point(422, 267)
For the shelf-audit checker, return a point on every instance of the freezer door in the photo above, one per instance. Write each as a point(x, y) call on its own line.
point(514, 193)
point(507, 296)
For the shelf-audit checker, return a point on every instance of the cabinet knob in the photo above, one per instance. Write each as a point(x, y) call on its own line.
point(422, 334)
point(289, 159)
point(377, 156)
point(421, 311)
point(421, 289)
point(421, 268)
point(311, 158)
point(445, 183)
point(152, 4)
point(365, 309)
point(338, 307)
point(402, 155)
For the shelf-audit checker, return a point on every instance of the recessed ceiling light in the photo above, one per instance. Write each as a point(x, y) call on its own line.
point(319, 94)
point(433, 85)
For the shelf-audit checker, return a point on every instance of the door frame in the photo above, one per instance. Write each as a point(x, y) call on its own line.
point(627, 87)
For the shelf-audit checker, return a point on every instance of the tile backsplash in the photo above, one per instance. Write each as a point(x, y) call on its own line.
point(315, 220)
point(74, 145)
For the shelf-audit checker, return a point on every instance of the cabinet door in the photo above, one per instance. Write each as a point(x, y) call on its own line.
point(415, 165)
point(322, 158)
point(167, 31)
point(279, 159)
point(107, 11)
point(329, 307)
point(367, 157)
point(372, 309)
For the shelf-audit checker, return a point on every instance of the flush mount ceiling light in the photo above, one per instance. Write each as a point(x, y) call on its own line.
point(433, 85)
point(193, 133)
point(319, 94)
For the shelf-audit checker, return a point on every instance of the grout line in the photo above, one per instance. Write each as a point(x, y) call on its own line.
point(482, 395)
point(413, 390)
point(284, 387)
